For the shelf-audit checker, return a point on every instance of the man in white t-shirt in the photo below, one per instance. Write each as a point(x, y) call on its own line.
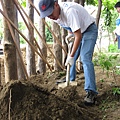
point(75, 18)
point(117, 30)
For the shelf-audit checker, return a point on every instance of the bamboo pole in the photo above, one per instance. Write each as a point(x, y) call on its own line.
point(23, 36)
point(42, 56)
point(13, 36)
point(39, 34)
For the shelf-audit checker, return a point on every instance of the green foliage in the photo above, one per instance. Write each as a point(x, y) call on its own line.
point(107, 12)
point(116, 90)
point(107, 16)
point(91, 2)
point(22, 2)
point(113, 48)
point(1, 29)
point(106, 104)
point(101, 80)
point(117, 71)
point(107, 62)
point(109, 3)
point(22, 28)
point(48, 34)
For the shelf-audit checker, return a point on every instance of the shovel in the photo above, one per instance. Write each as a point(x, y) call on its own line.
point(67, 83)
point(68, 75)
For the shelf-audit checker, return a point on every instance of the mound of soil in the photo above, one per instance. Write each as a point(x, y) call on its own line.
point(40, 99)
point(23, 100)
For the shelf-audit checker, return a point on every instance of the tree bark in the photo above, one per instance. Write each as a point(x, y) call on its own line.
point(98, 12)
point(41, 65)
point(30, 54)
point(64, 44)
point(56, 46)
point(79, 65)
point(10, 61)
point(21, 74)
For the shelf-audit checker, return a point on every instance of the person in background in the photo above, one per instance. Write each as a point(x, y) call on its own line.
point(117, 30)
point(73, 16)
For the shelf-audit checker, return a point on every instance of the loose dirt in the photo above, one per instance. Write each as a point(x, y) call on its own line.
point(40, 99)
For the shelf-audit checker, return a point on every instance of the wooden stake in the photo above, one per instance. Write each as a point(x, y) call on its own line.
point(23, 37)
point(17, 3)
point(48, 27)
point(42, 56)
point(13, 36)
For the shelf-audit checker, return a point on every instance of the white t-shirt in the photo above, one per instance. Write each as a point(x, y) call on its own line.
point(73, 16)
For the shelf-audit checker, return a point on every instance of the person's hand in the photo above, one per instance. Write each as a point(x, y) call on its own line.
point(115, 40)
point(70, 60)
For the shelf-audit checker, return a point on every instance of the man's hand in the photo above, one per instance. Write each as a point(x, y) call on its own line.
point(70, 60)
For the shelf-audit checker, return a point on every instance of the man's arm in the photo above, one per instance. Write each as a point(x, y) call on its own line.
point(78, 37)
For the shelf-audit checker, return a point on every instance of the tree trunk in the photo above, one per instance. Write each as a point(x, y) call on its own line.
point(79, 65)
point(10, 61)
point(56, 46)
point(30, 54)
point(21, 74)
point(41, 65)
point(64, 44)
point(98, 12)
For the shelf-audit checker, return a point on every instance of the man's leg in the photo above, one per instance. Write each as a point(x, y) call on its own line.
point(87, 49)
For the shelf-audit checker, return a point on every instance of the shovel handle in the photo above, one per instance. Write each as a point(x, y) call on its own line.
point(68, 74)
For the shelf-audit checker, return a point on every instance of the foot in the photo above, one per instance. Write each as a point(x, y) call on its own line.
point(90, 98)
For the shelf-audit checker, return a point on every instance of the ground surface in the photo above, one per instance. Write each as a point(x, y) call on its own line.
point(40, 99)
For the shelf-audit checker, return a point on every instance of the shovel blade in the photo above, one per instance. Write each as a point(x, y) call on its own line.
point(65, 84)
point(62, 85)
